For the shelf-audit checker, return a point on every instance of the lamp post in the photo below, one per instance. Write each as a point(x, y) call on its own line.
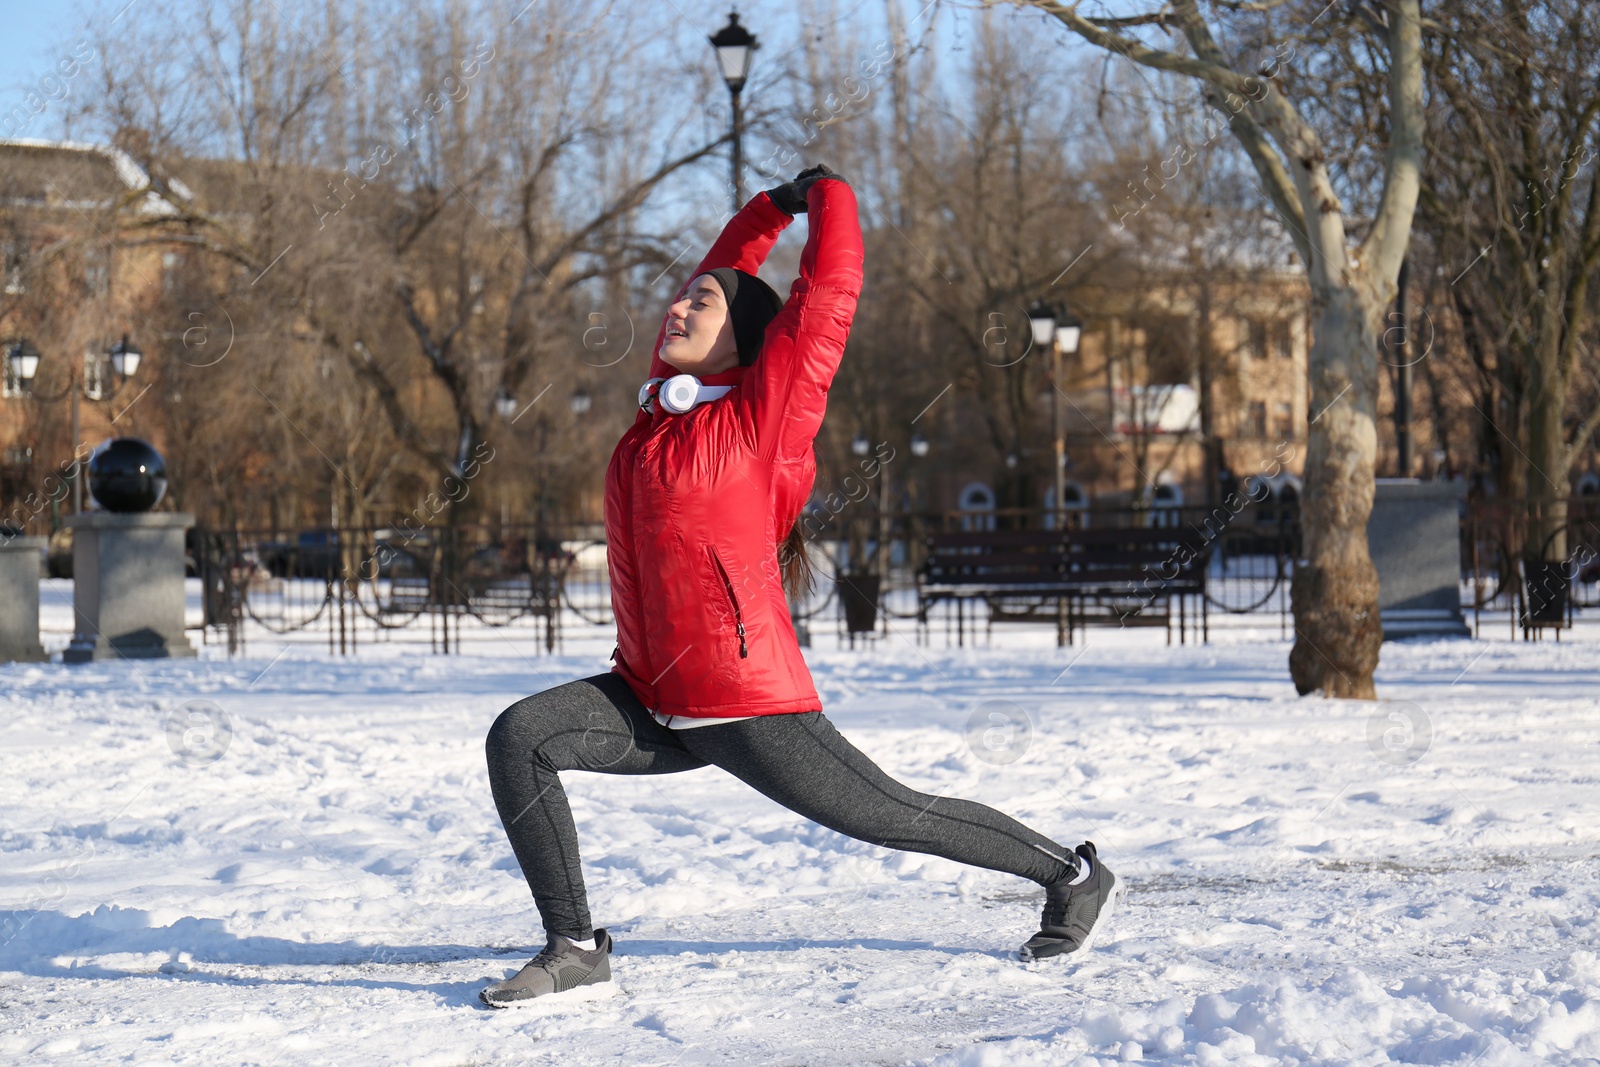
point(23, 359)
point(125, 358)
point(920, 447)
point(734, 44)
point(1042, 321)
point(505, 405)
point(1062, 331)
point(1069, 332)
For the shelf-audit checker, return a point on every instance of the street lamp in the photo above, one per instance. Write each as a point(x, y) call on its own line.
point(1062, 331)
point(125, 358)
point(580, 402)
point(919, 445)
point(860, 445)
point(1042, 318)
point(734, 44)
point(23, 360)
point(1069, 331)
point(505, 405)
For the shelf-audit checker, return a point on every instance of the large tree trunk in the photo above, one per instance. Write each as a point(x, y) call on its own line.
point(1335, 589)
point(1547, 458)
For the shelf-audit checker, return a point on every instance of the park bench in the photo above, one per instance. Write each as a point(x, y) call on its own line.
point(1111, 576)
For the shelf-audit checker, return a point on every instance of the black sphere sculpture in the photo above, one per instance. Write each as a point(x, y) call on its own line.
point(126, 474)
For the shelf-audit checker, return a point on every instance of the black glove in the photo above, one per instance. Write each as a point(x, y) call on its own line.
point(790, 197)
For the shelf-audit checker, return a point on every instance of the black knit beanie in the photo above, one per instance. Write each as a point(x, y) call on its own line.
point(752, 305)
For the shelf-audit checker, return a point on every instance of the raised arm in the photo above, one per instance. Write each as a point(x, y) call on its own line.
point(743, 245)
point(785, 393)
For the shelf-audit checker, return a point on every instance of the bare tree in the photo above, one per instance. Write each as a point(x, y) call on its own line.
point(1335, 590)
point(427, 200)
point(1512, 213)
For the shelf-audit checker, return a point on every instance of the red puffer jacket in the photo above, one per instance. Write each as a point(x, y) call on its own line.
point(697, 504)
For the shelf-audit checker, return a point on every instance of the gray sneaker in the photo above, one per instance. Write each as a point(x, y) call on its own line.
point(1075, 915)
point(560, 967)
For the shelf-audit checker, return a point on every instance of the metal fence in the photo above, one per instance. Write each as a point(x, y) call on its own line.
point(359, 585)
point(1537, 561)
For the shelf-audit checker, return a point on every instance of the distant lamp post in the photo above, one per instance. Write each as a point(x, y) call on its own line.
point(920, 447)
point(505, 405)
point(125, 358)
point(580, 402)
point(860, 445)
point(1062, 331)
point(1042, 319)
point(1069, 331)
point(23, 361)
point(734, 45)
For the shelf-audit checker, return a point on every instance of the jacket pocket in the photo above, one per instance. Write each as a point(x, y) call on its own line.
point(733, 601)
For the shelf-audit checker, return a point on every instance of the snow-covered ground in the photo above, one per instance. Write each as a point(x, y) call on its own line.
point(294, 859)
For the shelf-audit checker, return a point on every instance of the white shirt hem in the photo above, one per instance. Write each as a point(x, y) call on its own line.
point(688, 722)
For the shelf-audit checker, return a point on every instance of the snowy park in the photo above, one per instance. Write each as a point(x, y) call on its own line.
point(912, 533)
point(320, 877)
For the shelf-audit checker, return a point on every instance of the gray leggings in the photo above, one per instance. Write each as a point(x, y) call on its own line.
point(798, 760)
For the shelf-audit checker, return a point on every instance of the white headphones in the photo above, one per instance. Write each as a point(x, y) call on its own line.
point(679, 393)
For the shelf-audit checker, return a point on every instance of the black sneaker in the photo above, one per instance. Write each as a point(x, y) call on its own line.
point(1074, 915)
point(560, 967)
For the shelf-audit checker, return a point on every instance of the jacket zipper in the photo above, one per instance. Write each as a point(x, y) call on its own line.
point(625, 480)
point(738, 616)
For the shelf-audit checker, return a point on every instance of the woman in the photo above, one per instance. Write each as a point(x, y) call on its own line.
point(699, 494)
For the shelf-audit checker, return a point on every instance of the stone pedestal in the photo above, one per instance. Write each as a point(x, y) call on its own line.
point(1414, 536)
point(127, 585)
point(19, 595)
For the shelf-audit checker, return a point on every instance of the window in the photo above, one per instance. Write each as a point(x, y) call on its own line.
point(978, 498)
point(96, 274)
point(1267, 338)
point(12, 255)
point(1283, 421)
point(12, 384)
point(95, 372)
point(1169, 351)
point(1160, 498)
point(171, 262)
point(1282, 342)
point(1255, 423)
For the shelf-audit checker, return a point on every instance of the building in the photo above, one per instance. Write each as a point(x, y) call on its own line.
point(73, 289)
point(1182, 384)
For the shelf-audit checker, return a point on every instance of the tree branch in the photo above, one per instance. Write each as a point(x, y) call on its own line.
point(366, 367)
point(1390, 236)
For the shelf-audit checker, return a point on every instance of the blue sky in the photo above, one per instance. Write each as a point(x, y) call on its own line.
point(35, 35)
